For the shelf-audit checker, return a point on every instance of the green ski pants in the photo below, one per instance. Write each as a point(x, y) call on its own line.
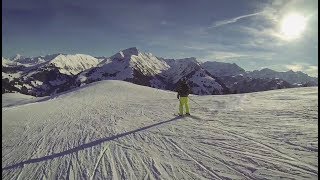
point(184, 101)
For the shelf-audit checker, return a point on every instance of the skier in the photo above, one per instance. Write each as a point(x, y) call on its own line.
point(183, 90)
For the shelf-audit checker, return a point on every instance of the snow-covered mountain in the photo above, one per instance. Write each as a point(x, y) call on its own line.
point(67, 64)
point(31, 61)
point(9, 63)
point(146, 69)
point(243, 84)
point(222, 69)
point(238, 80)
point(45, 75)
point(11, 72)
point(51, 73)
point(119, 130)
point(129, 64)
point(17, 57)
point(289, 76)
point(73, 64)
point(199, 79)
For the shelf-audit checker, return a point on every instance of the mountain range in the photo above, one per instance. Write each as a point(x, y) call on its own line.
point(51, 74)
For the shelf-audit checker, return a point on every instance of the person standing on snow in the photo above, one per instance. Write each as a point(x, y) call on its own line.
point(183, 90)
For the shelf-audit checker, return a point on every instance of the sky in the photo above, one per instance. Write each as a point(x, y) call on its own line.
point(254, 34)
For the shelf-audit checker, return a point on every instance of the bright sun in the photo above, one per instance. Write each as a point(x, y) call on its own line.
point(292, 26)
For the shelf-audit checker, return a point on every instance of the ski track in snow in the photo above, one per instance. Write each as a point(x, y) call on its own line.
point(118, 130)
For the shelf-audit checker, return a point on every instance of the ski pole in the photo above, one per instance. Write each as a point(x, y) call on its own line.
point(195, 102)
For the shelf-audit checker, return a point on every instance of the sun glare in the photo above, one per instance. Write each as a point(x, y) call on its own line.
point(292, 26)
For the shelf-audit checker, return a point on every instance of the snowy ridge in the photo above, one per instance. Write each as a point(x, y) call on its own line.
point(10, 64)
point(33, 61)
point(123, 66)
point(119, 130)
point(127, 53)
point(73, 64)
point(204, 84)
point(148, 64)
point(244, 84)
point(289, 76)
point(146, 69)
point(222, 69)
point(7, 63)
point(180, 68)
point(17, 57)
point(50, 74)
point(114, 68)
point(200, 81)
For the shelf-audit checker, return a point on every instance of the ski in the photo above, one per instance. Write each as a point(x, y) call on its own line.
point(190, 116)
point(184, 115)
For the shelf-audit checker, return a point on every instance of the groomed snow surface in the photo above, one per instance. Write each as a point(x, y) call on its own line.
point(14, 99)
point(118, 130)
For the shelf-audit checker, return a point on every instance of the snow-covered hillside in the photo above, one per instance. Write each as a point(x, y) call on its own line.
point(14, 99)
point(119, 130)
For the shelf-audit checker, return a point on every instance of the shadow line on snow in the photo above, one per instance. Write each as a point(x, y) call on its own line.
point(84, 146)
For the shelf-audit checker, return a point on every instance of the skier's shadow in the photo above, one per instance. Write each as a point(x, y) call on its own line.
point(84, 146)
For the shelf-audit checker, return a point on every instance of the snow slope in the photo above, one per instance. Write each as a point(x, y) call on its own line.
point(13, 99)
point(118, 130)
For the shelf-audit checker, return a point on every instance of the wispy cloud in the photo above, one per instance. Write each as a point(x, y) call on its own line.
point(223, 55)
point(295, 67)
point(232, 20)
point(195, 47)
point(163, 22)
point(264, 38)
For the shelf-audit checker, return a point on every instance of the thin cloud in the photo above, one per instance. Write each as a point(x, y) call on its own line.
point(294, 67)
point(224, 55)
point(164, 22)
point(195, 48)
point(233, 20)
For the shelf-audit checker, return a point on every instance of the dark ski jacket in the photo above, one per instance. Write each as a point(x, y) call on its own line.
point(183, 90)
